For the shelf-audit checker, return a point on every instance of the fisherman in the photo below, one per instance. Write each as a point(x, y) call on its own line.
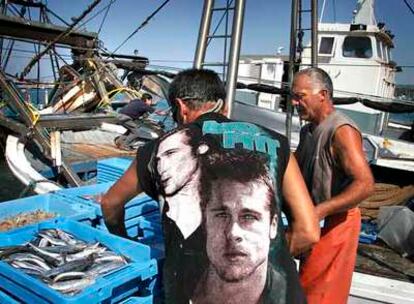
point(338, 177)
point(197, 103)
point(128, 116)
point(138, 107)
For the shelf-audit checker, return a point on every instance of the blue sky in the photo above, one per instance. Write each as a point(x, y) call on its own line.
point(170, 38)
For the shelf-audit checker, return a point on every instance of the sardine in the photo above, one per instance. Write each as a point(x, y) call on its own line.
point(72, 285)
point(90, 250)
point(72, 275)
point(52, 258)
point(68, 238)
point(30, 258)
point(27, 265)
point(67, 249)
point(6, 251)
point(52, 240)
point(75, 265)
point(100, 269)
point(110, 258)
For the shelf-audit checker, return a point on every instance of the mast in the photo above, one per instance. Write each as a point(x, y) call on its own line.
point(206, 35)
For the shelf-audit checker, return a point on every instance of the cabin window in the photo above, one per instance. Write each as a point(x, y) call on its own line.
point(357, 47)
point(389, 53)
point(326, 46)
point(379, 49)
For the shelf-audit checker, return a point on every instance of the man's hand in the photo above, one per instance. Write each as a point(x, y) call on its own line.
point(113, 202)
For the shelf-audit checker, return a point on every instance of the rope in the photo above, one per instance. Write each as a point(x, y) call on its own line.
point(34, 114)
point(102, 103)
point(385, 195)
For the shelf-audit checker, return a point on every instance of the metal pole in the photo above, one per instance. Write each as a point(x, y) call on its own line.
point(226, 32)
point(314, 21)
point(203, 33)
point(236, 36)
point(292, 62)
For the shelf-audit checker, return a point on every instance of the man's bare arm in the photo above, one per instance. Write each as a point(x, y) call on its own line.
point(348, 152)
point(304, 230)
point(113, 201)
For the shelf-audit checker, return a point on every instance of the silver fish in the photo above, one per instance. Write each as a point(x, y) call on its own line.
point(52, 240)
point(75, 265)
point(26, 265)
point(69, 275)
point(72, 285)
point(29, 258)
point(100, 269)
point(94, 249)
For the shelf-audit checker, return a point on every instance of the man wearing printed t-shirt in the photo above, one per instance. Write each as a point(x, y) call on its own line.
point(197, 101)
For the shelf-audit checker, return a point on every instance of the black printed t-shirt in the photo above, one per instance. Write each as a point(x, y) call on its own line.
point(185, 242)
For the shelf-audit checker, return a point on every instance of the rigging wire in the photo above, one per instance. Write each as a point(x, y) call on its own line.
point(63, 34)
point(409, 6)
point(142, 25)
point(106, 14)
point(408, 65)
point(94, 16)
point(56, 16)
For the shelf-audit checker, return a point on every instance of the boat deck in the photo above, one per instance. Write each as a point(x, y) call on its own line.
point(84, 152)
point(382, 261)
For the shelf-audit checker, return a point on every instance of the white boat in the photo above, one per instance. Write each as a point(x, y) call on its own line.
point(357, 56)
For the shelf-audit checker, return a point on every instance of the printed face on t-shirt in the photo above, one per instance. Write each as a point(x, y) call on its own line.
point(239, 229)
point(175, 162)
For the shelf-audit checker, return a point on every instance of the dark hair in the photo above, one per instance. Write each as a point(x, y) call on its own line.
point(319, 77)
point(237, 165)
point(195, 87)
point(146, 96)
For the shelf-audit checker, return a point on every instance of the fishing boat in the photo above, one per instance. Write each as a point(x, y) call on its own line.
point(54, 132)
point(264, 109)
point(357, 56)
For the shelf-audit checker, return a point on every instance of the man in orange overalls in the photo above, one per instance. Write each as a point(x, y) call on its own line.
point(338, 177)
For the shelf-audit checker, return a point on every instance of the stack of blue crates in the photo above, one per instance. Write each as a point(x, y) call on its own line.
point(6, 298)
point(137, 278)
point(142, 216)
point(111, 169)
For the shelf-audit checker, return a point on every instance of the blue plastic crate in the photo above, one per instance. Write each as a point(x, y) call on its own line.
point(72, 208)
point(6, 298)
point(138, 300)
point(110, 288)
point(111, 169)
point(145, 229)
point(138, 206)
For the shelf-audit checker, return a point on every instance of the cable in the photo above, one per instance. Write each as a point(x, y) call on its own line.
point(94, 16)
point(142, 25)
point(409, 6)
point(106, 14)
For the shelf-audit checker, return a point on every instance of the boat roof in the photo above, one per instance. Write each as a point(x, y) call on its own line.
point(343, 28)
